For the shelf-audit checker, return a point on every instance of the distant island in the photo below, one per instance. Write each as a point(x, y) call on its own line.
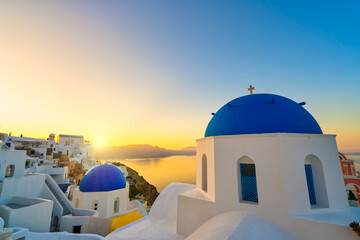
point(140, 151)
point(352, 153)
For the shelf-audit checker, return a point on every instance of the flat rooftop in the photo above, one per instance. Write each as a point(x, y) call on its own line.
point(16, 205)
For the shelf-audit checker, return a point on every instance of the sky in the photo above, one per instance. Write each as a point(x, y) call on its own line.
point(151, 72)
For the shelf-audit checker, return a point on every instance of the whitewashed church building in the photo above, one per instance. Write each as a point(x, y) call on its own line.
point(264, 170)
point(104, 189)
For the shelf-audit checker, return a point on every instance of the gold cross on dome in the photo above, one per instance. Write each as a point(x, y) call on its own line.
point(251, 88)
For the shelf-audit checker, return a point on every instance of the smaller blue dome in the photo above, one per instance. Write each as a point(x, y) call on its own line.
point(103, 178)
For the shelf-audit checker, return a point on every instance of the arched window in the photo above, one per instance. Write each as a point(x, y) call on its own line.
point(116, 205)
point(315, 180)
point(10, 170)
point(204, 173)
point(247, 186)
point(95, 205)
point(353, 194)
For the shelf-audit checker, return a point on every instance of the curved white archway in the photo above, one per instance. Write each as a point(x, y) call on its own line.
point(315, 179)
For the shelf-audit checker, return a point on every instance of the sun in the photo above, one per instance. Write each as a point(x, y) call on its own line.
point(99, 142)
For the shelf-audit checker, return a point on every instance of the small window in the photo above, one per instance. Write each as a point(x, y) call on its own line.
point(247, 184)
point(10, 170)
point(77, 229)
point(116, 205)
point(204, 173)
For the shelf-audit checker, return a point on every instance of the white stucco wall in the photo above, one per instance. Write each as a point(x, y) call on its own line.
point(206, 148)
point(105, 201)
point(281, 182)
point(27, 186)
point(74, 146)
point(59, 174)
point(34, 215)
point(12, 157)
point(85, 149)
point(76, 139)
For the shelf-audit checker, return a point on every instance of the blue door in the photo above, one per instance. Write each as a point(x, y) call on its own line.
point(248, 182)
point(310, 183)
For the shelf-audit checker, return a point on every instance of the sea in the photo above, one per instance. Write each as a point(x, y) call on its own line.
point(160, 172)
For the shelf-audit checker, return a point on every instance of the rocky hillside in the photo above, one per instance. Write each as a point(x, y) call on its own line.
point(139, 188)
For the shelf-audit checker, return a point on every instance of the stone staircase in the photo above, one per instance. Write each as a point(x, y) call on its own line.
point(60, 199)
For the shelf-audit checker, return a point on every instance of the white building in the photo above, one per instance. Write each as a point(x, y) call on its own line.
point(34, 201)
point(75, 146)
point(43, 154)
point(52, 146)
point(104, 189)
point(34, 147)
point(58, 173)
point(264, 160)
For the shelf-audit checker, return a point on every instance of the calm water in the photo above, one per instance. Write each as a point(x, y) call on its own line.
point(162, 171)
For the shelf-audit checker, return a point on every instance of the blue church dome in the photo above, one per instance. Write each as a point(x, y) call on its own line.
point(262, 113)
point(105, 177)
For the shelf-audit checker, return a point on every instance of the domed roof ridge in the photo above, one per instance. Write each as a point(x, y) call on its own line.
point(105, 177)
point(262, 113)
